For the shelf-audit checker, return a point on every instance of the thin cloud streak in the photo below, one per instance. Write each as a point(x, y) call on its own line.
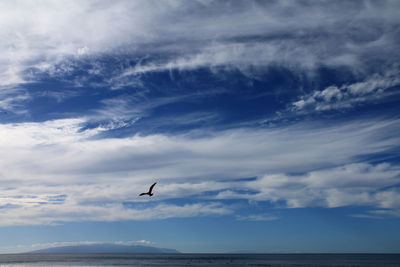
point(45, 214)
point(257, 217)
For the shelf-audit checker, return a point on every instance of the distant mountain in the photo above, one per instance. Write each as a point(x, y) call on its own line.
point(104, 248)
point(244, 252)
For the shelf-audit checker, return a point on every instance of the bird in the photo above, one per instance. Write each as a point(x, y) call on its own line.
point(150, 191)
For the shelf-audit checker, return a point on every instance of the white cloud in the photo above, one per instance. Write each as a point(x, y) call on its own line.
point(366, 216)
point(49, 36)
point(125, 110)
point(59, 147)
point(48, 214)
point(14, 99)
point(386, 212)
point(54, 172)
point(347, 96)
point(257, 217)
point(357, 184)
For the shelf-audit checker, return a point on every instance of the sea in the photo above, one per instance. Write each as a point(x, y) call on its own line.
point(212, 260)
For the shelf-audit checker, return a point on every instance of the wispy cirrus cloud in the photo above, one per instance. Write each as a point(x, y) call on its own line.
point(213, 35)
point(39, 143)
point(14, 99)
point(58, 172)
point(80, 47)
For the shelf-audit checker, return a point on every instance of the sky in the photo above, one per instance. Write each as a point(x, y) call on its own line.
point(269, 126)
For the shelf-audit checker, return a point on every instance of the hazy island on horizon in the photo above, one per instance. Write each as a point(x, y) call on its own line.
point(103, 248)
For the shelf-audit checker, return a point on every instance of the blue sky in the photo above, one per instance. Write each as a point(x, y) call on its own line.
point(270, 126)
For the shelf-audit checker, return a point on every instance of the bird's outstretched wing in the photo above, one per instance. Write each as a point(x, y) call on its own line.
point(142, 194)
point(151, 187)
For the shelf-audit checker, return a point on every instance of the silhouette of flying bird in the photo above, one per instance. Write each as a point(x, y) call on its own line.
point(150, 190)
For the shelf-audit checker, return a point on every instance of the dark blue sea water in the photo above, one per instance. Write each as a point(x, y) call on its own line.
point(212, 260)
